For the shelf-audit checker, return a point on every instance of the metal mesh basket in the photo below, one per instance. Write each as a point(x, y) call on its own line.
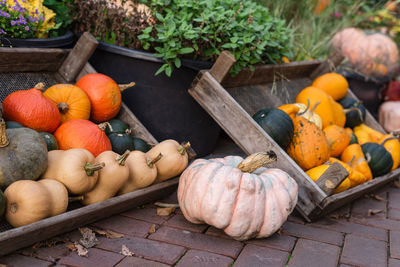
point(11, 82)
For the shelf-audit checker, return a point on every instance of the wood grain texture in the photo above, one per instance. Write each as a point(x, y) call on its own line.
point(31, 59)
point(251, 138)
point(332, 178)
point(222, 65)
point(20, 237)
point(78, 57)
point(271, 73)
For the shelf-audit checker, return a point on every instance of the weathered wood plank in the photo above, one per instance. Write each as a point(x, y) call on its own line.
point(328, 65)
point(31, 59)
point(222, 65)
point(335, 201)
point(78, 57)
point(332, 178)
point(250, 137)
point(20, 237)
point(271, 73)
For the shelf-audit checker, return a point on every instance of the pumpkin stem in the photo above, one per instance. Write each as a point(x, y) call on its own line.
point(166, 205)
point(126, 86)
point(103, 126)
point(396, 133)
point(76, 198)
point(315, 106)
point(368, 157)
point(63, 107)
point(345, 111)
point(14, 207)
point(4, 141)
point(91, 168)
point(388, 139)
point(128, 131)
point(308, 106)
point(40, 86)
point(352, 159)
point(122, 158)
point(257, 160)
point(151, 163)
point(183, 147)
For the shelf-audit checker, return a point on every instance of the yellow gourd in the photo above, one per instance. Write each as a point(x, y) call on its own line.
point(316, 172)
point(374, 135)
point(392, 145)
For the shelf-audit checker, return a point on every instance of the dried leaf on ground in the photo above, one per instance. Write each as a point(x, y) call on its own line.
point(152, 229)
point(126, 252)
point(396, 184)
point(71, 247)
point(50, 243)
point(109, 234)
point(373, 212)
point(81, 250)
point(88, 239)
point(377, 197)
point(165, 211)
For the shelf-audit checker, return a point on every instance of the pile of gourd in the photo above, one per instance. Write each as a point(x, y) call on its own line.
point(324, 126)
point(40, 173)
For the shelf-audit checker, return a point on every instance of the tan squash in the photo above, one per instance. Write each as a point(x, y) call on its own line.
point(58, 194)
point(52, 158)
point(27, 202)
point(111, 178)
point(174, 160)
point(142, 171)
point(76, 169)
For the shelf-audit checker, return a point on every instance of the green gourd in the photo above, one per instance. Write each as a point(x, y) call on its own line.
point(379, 159)
point(141, 145)
point(121, 142)
point(13, 124)
point(116, 126)
point(50, 141)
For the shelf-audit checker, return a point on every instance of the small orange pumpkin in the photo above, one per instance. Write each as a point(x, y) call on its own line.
point(32, 109)
point(338, 139)
point(72, 102)
point(104, 94)
point(333, 84)
point(82, 134)
point(309, 146)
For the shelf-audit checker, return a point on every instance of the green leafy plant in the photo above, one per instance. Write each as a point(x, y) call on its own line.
point(200, 30)
point(63, 19)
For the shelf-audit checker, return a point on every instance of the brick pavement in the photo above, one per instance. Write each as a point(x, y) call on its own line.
point(347, 237)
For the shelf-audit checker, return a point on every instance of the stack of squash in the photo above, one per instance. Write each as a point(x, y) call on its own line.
point(66, 144)
point(325, 126)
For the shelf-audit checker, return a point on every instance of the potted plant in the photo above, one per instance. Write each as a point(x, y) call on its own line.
point(163, 45)
point(35, 23)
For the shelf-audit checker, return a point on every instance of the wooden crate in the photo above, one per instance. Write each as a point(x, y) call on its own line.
point(26, 66)
point(231, 101)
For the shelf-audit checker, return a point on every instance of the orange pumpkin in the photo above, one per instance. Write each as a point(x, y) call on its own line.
point(338, 139)
point(104, 95)
point(367, 134)
point(72, 102)
point(32, 109)
point(371, 54)
point(354, 156)
point(309, 147)
point(82, 134)
point(333, 84)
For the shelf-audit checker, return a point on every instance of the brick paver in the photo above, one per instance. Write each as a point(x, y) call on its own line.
point(198, 258)
point(377, 222)
point(125, 225)
point(312, 253)
point(361, 251)
point(96, 257)
point(395, 244)
point(394, 263)
point(179, 221)
point(146, 214)
point(135, 261)
point(259, 256)
point(15, 260)
point(276, 241)
point(199, 241)
point(362, 206)
point(313, 233)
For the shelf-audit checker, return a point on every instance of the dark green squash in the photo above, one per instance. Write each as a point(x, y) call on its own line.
point(50, 141)
point(353, 139)
point(3, 203)
point(23, 155)
point(355, 111)
point(116, 126)
point(141, 145)
point(379, 159)
point(120, 142)
point(277, 124)
point(13, 124)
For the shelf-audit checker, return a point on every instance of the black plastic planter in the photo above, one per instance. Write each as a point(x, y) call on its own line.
point(161, 103)
point(65, 41)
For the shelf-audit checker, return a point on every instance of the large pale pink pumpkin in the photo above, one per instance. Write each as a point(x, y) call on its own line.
point(227, 194)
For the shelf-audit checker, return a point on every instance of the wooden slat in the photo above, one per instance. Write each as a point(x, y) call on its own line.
point(328, 65)
point(78, 57)
point(31, 59)
point(270, 73)
point(251, 138)
point(332, 178)
point(222, 65)
point(20, 237)
point(336, 201)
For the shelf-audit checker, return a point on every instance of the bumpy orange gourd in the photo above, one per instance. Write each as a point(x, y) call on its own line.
point(392, 145)
point(82, 134)
point(32, 109)
point(72, 102)
point(338, 139)
point(316, 172)
point(328, 109)
point(309, 146)
point(104, 94)
point(333, 84)
point(354, 156)
point(242, 202)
